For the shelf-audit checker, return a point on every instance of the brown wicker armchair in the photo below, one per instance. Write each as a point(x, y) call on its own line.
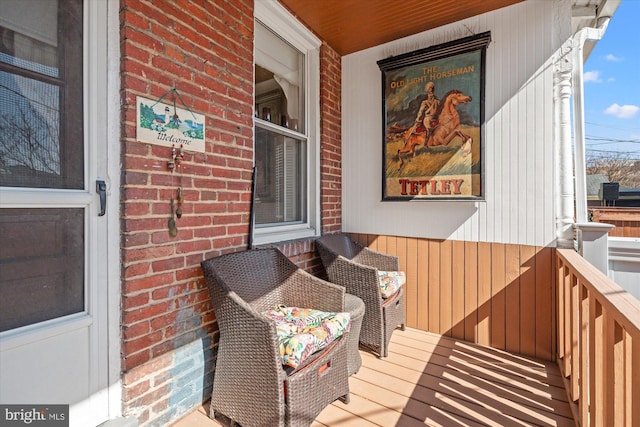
point(251, 386)
point(355, 267)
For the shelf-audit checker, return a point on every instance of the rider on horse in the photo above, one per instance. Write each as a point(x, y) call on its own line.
point(424, 119)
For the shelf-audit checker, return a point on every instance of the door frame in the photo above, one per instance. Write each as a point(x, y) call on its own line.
point(102, 134)
point(101, 110)
point(112, 169)
point(102, 128)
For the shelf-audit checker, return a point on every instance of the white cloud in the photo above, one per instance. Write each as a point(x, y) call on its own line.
point(611, 79)
point(592, 76)
point(612, 58)
point(622, 111)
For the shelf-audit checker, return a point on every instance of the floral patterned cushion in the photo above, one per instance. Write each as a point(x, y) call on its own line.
point(303, 331)
point(391, 281)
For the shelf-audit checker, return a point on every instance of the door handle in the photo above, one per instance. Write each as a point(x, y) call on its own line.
point(101, 188)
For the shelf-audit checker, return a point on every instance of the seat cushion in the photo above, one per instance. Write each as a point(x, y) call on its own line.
point(303, 331)
point(391, 281)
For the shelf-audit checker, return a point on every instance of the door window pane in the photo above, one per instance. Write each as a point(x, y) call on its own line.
point(42, 262)
point(41, 134)
point(29, 35)
point(29, 131)
point(41, 146)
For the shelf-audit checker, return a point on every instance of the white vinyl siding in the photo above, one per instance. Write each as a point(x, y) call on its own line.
point(519, 159)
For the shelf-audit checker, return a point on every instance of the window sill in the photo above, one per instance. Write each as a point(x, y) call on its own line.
point(282, 234)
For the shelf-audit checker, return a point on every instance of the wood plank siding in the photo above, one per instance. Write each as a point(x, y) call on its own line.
point(495, 294)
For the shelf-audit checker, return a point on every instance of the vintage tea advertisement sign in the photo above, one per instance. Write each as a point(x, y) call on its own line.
point(433, 116)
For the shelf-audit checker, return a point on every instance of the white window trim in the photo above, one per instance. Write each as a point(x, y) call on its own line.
point(275, 16)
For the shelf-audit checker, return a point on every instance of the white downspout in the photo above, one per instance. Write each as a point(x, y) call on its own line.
point(579, 39)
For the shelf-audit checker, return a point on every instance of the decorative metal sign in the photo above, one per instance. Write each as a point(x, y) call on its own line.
point(167, 125)
point(433, 116)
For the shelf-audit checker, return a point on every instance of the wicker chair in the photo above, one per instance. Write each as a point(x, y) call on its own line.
point(355, 267)
point(251, 386)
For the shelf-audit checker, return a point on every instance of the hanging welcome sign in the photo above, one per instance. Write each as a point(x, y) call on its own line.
point(168, 125)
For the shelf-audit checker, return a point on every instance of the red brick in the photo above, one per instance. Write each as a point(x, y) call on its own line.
point(132, 392)
point(131, 240)
point(170, 264)
point(129, 302)
point(170, 291)
point(135, 330)
point(150, 253)
point(145, 370)
point(141, 343)
point(131, 51)
point(136, 209)
point(162, 377)
point(150, 282)
point(133, 35)
point(171, 68)
point(161, 406)
point(134, 83)
point(131, 361)
point(147, 312)
point(152, 397)
point(133, 193)
point(193, 246)
point(147, 224)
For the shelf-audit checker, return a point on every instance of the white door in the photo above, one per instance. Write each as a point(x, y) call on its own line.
point(53, 293)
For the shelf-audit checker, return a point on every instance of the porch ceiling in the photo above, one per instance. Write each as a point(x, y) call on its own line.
point(352, 25)
point(349, 26)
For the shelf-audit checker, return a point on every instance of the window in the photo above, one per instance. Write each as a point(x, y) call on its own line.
point(286, 127)
point(41, 146)
point(41, 134)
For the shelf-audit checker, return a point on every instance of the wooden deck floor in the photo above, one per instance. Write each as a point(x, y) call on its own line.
point(439, 381)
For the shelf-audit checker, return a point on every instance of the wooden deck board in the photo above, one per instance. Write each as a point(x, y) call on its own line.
point(439, 381)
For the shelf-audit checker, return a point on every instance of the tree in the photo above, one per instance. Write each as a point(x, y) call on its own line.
point(620, 167)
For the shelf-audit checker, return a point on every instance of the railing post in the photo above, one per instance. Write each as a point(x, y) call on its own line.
point(633, 378)
point(596, 376)
point(592, 240)
point(601, 342)
point(585, 381)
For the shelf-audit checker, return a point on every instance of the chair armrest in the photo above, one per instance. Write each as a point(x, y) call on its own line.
point(248, 362)
point(247, 330)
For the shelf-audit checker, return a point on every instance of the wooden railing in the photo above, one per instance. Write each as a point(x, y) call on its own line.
point(598, 344)
point(535, 301)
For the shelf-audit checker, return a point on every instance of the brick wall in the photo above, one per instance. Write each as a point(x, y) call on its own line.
point(205, 50)
point(331, 154)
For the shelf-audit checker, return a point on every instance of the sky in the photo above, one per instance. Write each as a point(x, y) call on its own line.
point(612, 87)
